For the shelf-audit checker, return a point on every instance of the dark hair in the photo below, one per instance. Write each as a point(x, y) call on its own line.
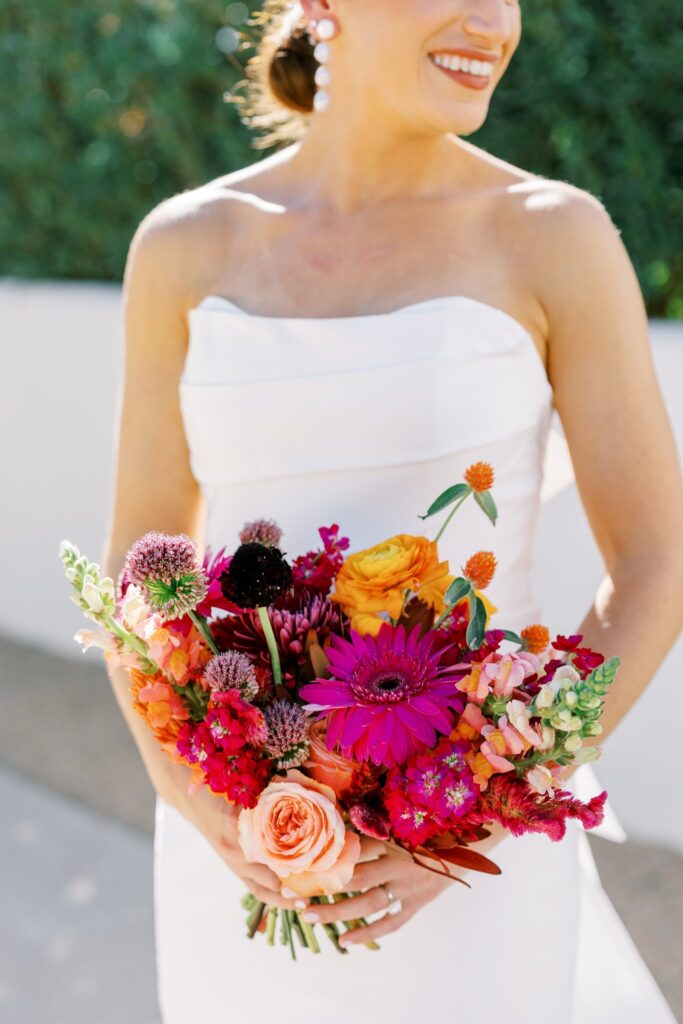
point(280, 77)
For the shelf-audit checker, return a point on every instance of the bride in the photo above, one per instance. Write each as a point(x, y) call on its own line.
point(333, 334)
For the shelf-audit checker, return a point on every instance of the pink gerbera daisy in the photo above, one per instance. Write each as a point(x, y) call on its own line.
point(389, 695)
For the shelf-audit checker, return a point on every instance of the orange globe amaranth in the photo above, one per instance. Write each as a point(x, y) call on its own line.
point(536, 638)
point(374, 580)
point(479, 476)
point(479, 569)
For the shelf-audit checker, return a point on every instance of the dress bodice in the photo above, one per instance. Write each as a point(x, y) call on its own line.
point(363, 421)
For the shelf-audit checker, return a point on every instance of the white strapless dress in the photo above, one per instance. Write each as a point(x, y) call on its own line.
point(362, 421)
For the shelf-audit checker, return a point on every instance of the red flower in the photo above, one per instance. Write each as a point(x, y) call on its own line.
point(584, 660)
point(316, 570)
point(512, 803)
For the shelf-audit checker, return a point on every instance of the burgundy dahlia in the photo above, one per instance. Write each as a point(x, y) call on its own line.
point(388, 697)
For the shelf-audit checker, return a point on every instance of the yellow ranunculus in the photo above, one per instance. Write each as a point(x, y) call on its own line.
point(374, 580)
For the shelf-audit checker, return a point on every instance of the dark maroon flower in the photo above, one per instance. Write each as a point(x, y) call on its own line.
point(257, 574)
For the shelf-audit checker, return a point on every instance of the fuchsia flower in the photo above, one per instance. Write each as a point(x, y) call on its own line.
point(584, 659)
point(389, 695)
point(213, 568)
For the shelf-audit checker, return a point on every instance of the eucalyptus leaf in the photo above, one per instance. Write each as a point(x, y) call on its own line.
point(459, 588)
point(445, 499)
point(484, 500)
point(476, 627)
point(509, 635)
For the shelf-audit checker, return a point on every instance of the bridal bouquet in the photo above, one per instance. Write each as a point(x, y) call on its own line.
point(348, 694)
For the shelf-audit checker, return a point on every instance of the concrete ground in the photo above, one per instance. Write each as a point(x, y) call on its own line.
point(76, 928)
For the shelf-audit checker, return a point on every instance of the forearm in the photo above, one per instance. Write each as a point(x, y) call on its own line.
point(637, 615)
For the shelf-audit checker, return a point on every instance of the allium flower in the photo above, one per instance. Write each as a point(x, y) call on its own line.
point(479, 476)
point(316, 570)
point(287, 738)
point(166, 569)
point(232, 670)
point(256, 575)
point(263, 531)
point(388, 697)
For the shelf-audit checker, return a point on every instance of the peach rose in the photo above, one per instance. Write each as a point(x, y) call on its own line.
point(297, 831)
point(375, 579)
point(328, 766)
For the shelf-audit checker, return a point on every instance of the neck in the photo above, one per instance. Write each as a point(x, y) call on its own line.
point(348, 162)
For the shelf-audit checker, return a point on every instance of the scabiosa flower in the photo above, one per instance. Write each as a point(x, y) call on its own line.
point(316, 570)
point(287, 738)
point(263, 531)
point(165, 567)
point(232, 670)
point(388, 697)
point(256, 575)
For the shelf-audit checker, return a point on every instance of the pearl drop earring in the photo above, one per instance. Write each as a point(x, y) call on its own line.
point(325, 29)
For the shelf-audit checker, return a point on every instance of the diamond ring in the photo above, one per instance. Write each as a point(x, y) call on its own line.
point(395, 906)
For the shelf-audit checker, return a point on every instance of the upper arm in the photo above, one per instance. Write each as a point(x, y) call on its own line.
point(153, 484)
point(605, 386)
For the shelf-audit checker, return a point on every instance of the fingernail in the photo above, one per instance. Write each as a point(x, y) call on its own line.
point(300, 904)
point(311, 917)
point(287, 892)
point(343, 940)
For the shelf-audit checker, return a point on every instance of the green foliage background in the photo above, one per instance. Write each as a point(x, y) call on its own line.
point(109, 106)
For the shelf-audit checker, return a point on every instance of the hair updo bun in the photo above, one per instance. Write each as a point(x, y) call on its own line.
point(280, 77)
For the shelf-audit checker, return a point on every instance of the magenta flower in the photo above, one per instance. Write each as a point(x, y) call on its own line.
point(389, 695)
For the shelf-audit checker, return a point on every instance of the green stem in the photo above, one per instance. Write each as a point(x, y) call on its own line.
point(450, 515)
point(200, 623)
point(272, 644)
point(270, 925)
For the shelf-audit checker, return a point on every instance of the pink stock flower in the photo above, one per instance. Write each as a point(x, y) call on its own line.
point(389, 696)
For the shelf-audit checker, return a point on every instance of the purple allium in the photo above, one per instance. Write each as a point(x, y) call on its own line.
point(287, 733)
point(257, 574)
point(388, 696)
point(232, 670)
point(165, 568)
point(264, 531)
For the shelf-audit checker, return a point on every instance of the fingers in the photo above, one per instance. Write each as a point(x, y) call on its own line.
point(370, 932)
point(273, 899)
point(370, 902)
point(371, 848)
point(373, 872)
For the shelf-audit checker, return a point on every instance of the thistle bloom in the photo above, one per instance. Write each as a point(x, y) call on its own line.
point(389, 695)
point(263, 531)
point(287, 738)
point(232, 670)
point(165, 567)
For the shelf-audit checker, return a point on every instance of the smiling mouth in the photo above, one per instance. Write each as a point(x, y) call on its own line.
point(472, 72)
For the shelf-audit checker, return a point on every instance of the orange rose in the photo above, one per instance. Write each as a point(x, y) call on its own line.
point(297, 831)
point(326, 765)
point(375, 579)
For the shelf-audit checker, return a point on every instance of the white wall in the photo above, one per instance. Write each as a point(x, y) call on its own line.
point(61, 365)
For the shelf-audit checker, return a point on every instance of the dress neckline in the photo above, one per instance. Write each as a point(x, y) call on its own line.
point(228, 307)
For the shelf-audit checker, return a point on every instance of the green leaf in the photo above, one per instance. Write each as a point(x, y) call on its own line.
point(477, 624)
point(450, 495)
point(484, 500)
point(459, 588)
point(509, 635)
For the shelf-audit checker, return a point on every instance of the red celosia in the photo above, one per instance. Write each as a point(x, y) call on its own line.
point(370, 821)
point(316, 570)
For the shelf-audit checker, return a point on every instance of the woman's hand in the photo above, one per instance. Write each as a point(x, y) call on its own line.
point(217, 819)
point(414, 885)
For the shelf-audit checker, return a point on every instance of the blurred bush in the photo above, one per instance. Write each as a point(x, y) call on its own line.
point(109, 106)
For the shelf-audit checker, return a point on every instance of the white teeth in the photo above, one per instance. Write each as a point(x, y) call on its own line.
point(482, 68)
